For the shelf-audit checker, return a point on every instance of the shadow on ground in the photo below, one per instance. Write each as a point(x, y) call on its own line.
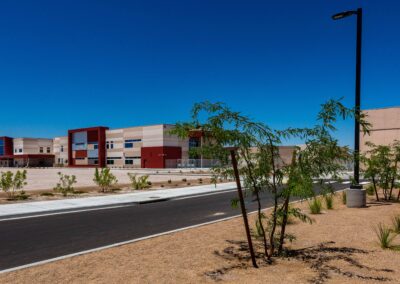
point(322, 258)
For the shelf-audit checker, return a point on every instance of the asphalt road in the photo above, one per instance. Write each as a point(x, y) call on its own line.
point(35, 239)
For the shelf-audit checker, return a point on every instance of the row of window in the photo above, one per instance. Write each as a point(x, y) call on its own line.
point(128, 160)
point(128, 143)
point(41, 150)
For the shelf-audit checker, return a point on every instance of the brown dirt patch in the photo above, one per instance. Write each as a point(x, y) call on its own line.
point(340, 247)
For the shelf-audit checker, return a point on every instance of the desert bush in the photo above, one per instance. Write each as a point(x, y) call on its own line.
point(138, 182)
point(169, 181)
point(315, 205)
point(47, 194)
point(370, 190)
point(328, 198)
point(65, 184)
point(396, 224)
point(344, 197)
point(10, 183)
point(104, 179)
point(385, 236)
point(184, 180)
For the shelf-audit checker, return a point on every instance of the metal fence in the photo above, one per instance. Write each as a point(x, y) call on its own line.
point(190, 163)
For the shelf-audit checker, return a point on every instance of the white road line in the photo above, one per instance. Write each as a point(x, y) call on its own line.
point(196, 196)
point(365, 182)
point(346, 182)
point(331, 182)
point(100, 208)
point(131, 241)
point(64, 212)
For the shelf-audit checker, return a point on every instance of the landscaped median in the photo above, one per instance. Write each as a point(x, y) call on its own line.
point(341, 246)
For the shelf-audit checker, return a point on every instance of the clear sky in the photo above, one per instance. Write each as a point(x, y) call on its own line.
point(78, 63)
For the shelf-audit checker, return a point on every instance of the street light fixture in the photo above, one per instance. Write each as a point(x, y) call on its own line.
point(339, 16)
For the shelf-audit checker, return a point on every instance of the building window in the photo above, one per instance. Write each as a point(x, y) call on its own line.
point(48, 150)
point(110, 162)
point(15, 150)
point(129, 143)
point(20, 150)
point(62, 148)
point(128, 162)
point(96, 146)
point(41, 150)
point(110, 144)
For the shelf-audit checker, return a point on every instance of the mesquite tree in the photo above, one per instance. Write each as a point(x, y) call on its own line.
point(381, 164)
point(260, 165)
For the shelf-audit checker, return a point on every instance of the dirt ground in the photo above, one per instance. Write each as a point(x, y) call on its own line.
point(340, 247)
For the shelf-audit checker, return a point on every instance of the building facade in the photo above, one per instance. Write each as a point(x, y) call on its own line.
point(385, 127)
point(139, 147)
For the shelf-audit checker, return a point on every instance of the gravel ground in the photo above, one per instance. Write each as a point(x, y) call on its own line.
point(340, 247)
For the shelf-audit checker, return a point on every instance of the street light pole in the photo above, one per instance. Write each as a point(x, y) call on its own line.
point(358, 103)
point(339, 16)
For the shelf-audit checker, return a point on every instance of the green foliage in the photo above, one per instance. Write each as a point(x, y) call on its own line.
point(11, 183)
point(396, 224)
point(139, 182)
point(104, 179)
point(382, 167)
point(260, 165)
point(384, 235)
point(65, 184)
point(344, 197)
point(328, 200)
point(315, 205)
point(47, 194)
point(370, 190)
point(22, 196)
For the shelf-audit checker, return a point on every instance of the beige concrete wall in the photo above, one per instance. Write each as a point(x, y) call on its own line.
point(61, 157)
point(32, 146)
point(385, 127)
point(151, 136)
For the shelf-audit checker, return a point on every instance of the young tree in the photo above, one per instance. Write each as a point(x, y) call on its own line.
point(260, 164)
point(104, 179)
point(65, 184)
point(11, 183)
point(381, 166)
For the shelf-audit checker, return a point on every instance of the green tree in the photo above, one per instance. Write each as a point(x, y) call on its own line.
point(104, 179)
point(65, 184)
point(260, 164)
point(11, 183)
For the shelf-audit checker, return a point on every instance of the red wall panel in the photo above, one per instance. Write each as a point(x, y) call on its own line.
point(80, 154)
point(154, 157)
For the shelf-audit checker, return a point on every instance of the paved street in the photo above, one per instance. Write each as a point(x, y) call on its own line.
point(39, 238)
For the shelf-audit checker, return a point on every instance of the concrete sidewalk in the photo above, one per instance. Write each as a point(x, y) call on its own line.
point(43, 207)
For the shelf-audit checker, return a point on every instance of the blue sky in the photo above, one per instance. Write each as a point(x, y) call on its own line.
point(72, 64)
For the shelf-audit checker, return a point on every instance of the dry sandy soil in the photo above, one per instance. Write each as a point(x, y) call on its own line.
point(47, 178)
point(340, 247)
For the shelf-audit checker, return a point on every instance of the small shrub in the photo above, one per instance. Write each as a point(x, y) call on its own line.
point(162, 185)
point(10, 183)
point(188, 183)
point(344, 198)
point(370, 190)
point(200, 180)
point(385, 236)
point(169, 181)
point(66, 183)
point(396, 224)
point(79, 192)
point(184, 180)
point(139, 182)
point(22, 196)
point(315, 206)
point(104, 179)
point(328, 201)
point(47, 194)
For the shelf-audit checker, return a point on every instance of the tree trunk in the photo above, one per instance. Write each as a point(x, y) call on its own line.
point(376, 191)
point(284, 222)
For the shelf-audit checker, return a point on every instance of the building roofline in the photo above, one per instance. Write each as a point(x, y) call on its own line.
point(379, 108)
